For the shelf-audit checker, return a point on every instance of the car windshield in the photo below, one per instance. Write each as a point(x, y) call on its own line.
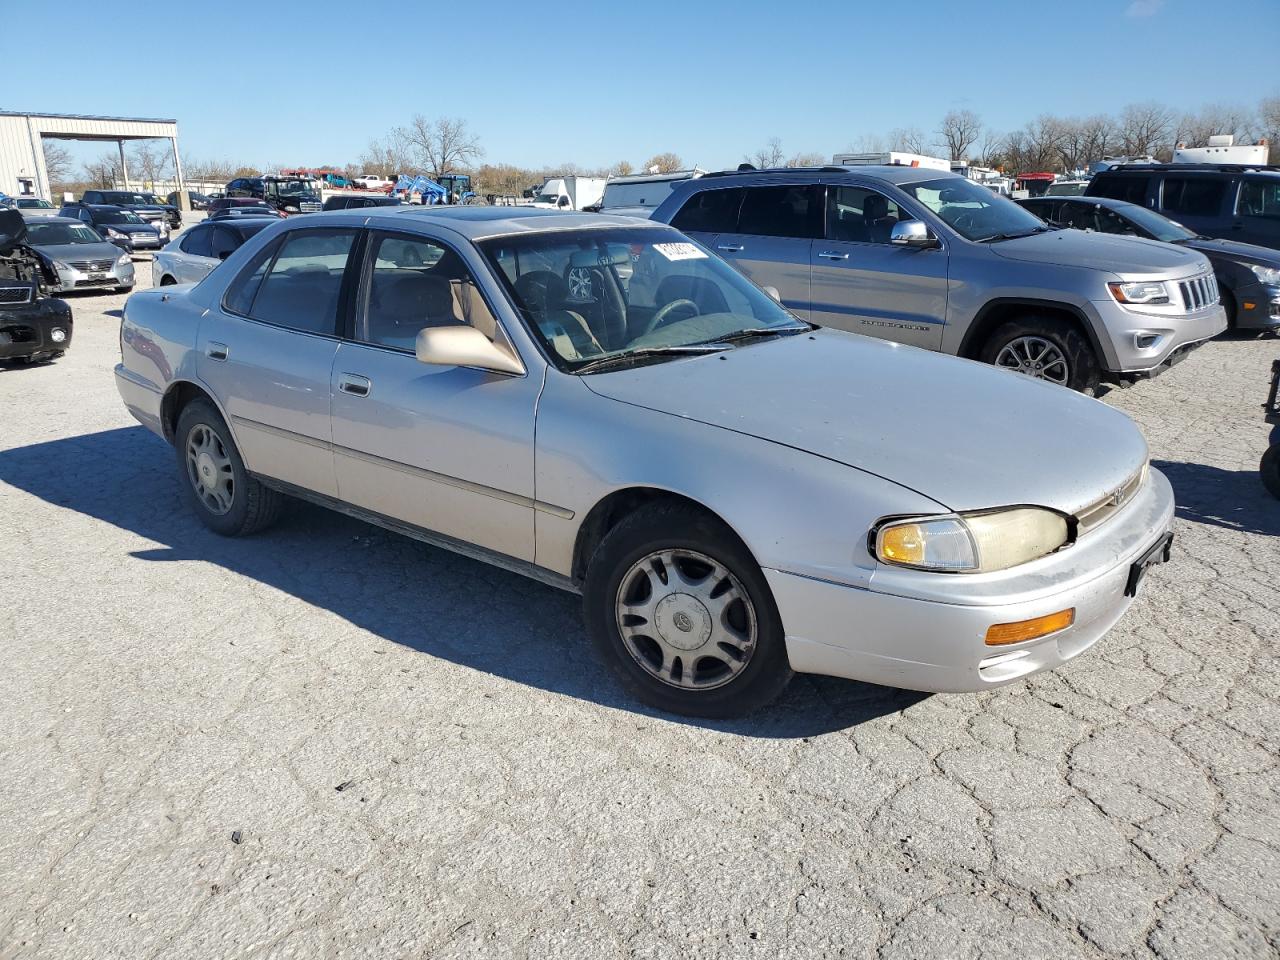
point(118, 216)
point(1066, 189)
point(1160, 227)
point(645, 293)
point(973, 211)
point(34, 204)
point(288, 187)
point(52, 234)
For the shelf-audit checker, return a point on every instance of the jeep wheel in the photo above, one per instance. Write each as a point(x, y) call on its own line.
point(226, 499)
point(1047, 349)
point(679, 609)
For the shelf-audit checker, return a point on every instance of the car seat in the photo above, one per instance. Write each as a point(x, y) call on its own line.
point(875, 216)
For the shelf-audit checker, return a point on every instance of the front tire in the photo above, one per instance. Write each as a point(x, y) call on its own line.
point(226, 499)
point(679, 609)
point(1045, 348)
point(1270, 468)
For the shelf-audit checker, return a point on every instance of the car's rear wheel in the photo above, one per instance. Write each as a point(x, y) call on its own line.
point(167, 281)
point(1045, 348)
point(226, 499)
point(680, 610)
point(1270, 468)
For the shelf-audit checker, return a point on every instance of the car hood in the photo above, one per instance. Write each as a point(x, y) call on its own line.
point(961, 433)
point(80, 251)
point(130, 227)
point(1248, 252)
point(1098, 251)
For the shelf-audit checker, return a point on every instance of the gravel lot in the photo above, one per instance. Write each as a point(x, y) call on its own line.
point(331, 741)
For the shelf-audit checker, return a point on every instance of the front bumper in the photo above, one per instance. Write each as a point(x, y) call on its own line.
point(938, 645)
point(1145, 344)
point(71, 278)
point(1257, 306)
point(32, 330)
point(147, 241)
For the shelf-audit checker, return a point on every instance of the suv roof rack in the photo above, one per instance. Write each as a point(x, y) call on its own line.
point(829, 168)
point(1212, 167)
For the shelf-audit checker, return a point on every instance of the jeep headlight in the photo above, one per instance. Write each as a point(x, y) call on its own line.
point(1143, 292)
point(973, 542)
point(123, 259)
point(1265, 274)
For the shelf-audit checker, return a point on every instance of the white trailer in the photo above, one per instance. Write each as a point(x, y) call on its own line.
point(569, 193)
point(1224, 149)
point(890, 158)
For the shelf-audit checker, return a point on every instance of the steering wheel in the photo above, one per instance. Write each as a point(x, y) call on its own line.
point(965, 222)
point(665, 311)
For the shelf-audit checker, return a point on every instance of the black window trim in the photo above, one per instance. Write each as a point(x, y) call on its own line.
point(343, 307)
point(742, 188)
point(1225, 182)
point(759, 185)
point(360, 291)
point(206, 227)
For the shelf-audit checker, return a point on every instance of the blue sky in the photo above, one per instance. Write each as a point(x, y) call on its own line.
point(597, 83)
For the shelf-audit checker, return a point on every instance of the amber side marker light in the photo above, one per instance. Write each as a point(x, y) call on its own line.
point(999, 634)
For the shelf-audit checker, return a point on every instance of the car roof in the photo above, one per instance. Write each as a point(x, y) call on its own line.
point(53, 219)
point(886, 173)
point(1192, 169)
point(478, 222)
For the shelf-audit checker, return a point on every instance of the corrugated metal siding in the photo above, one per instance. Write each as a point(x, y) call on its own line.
point(18, 131)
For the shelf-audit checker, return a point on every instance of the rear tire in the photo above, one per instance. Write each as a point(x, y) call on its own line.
point(1045, 348)
point(226, 499)
point(1270, 468)
point(168, 281)
point(717, 647)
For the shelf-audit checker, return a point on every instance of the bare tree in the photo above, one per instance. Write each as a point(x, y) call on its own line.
point(386, 157)
point(662, 163)
point(908, 140)
point(1269, 118)
point(960, 130)
point(57, 162)
point(147, 163)
point(990, 152)
point(104, 171)
point(442, 146)
point(1145, 128)
point(620, 169)
point(868, 143)
point(806, 160)
point(1195, 129)
point(770, 155)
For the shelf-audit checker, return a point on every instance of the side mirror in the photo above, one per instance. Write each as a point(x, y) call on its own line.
point(773, 292)
point(911, 233)
point(564, 201)
point(458, 345)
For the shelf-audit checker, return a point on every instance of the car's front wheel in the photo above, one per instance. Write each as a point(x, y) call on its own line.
point(226, 499)
point(680, 610)
point(1270, 468)
point(1045, 348)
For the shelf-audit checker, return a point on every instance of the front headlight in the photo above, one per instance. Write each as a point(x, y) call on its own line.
point(61, 266)
point(972, 543)
point(116, 234)
point(123, 259)
point(1265, 274)
point(1143, 292)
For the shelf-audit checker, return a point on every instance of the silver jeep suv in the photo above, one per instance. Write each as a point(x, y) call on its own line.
point(937, 261)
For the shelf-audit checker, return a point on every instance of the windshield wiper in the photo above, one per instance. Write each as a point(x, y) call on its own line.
point(750, 333)
point(622, 359)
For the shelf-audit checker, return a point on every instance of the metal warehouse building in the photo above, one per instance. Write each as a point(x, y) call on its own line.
point(22, 136)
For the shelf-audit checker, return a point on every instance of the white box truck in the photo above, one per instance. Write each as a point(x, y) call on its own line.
point(890, 158)
point(569, 193)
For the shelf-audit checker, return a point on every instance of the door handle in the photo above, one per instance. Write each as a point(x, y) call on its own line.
point(354, 384)
point(832, 255)
point(731, 247)
point(216, 351)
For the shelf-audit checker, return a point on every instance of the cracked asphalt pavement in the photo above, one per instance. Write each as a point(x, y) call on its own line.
point(330, 741)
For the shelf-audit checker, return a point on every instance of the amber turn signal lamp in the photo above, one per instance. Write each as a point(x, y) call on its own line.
point(999, 634)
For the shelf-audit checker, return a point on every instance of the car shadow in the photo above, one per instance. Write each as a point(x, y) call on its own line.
point(399, 589)
point(1234, 499)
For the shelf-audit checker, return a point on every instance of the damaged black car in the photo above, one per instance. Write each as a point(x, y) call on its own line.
point(34, 327)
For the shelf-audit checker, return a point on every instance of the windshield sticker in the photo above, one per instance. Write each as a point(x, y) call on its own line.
point(679, 251)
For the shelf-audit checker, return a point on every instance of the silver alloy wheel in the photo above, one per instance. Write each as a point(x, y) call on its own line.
point(1035, 357)
point(686, 620)
point(579, 284)
point(209, 469)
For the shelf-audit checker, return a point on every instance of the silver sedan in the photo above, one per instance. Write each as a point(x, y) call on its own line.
point(84, 260)
point(600, 403)
point(190, 257)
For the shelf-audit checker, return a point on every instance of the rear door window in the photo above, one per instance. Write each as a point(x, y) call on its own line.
point(1126, 188)
point(296, 281)
point(1194, 196)
point(225, 242)
point(1259, 198)
point(710, 211)
point(792, 210)
point(196, 242)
